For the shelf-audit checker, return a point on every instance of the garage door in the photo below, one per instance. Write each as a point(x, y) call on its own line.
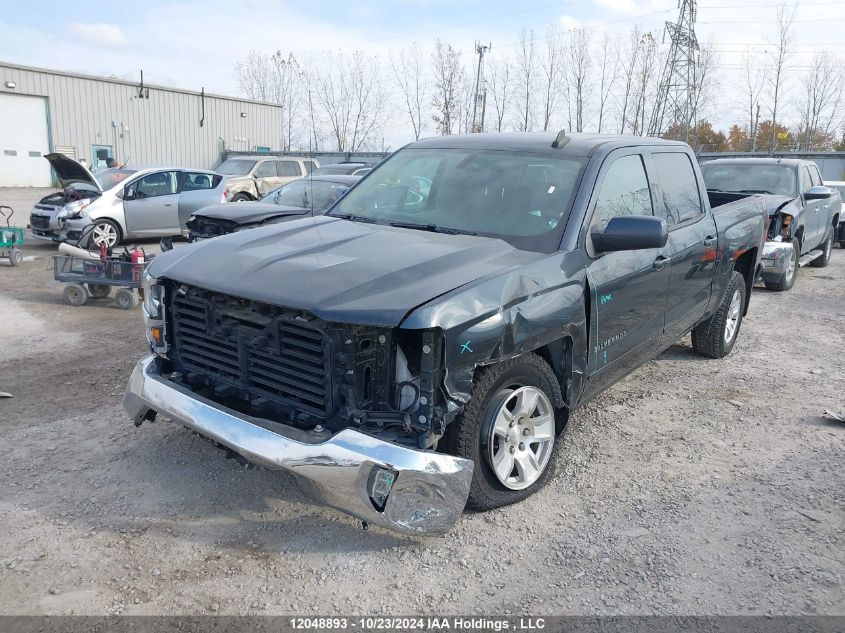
point(23, 141)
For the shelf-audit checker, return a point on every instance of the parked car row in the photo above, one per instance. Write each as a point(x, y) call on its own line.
point(118, 204)
point(419, 346)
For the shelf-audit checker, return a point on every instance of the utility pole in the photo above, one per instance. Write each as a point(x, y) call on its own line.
point(480, 49)
point(676, 92)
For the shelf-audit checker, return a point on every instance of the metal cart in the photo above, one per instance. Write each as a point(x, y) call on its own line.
point(11, 237)
point(86, 278)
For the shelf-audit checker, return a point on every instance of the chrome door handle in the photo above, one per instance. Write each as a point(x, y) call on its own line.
point(710, 241)
point(168, 204)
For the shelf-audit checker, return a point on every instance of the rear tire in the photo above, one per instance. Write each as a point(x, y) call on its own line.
point(75, 294)
point(500, 427)
point(242, 197)
point(787, 280)
point(827, 247)
point(716, 337)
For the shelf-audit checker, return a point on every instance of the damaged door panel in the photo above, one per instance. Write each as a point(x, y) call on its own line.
point(419, 347)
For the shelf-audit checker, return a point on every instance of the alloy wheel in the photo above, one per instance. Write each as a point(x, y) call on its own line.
point(521, 438)
point(732, 321)
point(104, 233)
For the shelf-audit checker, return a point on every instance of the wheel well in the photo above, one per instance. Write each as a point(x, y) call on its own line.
point(799, 235)
point(558, 355)
point(835, 223)
point(744, 265)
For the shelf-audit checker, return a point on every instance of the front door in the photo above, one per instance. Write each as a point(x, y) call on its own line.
point(627, 288)
point(266, 178)
point(692, 245)
point(812, 208)
point(151, 204)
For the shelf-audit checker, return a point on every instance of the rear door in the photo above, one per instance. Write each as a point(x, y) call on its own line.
point(288, 171)
point(692, 246)
point(151, 204)
point(628, 288)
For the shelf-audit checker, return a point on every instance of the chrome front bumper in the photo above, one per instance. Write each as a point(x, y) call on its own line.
point(775, 259)
point(427, 496)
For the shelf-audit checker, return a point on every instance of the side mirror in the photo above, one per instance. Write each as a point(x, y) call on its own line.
point(818, 193)
point(630, 233)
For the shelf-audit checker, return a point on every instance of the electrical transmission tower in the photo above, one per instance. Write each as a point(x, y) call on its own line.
point(676, 92)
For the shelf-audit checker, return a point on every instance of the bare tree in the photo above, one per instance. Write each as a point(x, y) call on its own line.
point(289, 81)
point(577, 62)
point(630, 54)
point(820, 101)
point(552, 74)
point(448, 77)
point(526, 78)
point(753, 80)
point(783, 50)
point(408, 70)
point(256, 78)
point(645, 91)
point(608, 70)
point(352, 95)
point(704, 92)
point(500, 90)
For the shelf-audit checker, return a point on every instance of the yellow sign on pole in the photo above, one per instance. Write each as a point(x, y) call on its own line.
point(782, 136)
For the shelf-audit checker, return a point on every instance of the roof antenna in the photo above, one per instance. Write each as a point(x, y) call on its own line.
point(561, 140)
point(311, 174)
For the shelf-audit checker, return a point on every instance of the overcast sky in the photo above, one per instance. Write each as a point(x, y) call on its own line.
point(196, 43)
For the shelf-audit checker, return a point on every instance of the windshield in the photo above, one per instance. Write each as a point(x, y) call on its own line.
point(316, 194)
point(237, 167)
point(750, 178)
point(520, 197)
point(109, 178)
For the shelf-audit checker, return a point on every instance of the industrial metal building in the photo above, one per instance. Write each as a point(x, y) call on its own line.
point(92, 118)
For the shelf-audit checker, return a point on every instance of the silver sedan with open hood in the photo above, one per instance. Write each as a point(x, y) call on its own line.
point(119, 204)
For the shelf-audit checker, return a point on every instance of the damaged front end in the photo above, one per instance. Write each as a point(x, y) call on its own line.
point(350, 408)
point(778, 250)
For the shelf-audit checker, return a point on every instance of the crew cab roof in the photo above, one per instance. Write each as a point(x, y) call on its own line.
point(575, 144)
point(790, 162)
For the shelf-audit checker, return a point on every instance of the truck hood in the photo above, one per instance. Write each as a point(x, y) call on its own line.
point(339, 270)
point(68, 171)
point(782, 204)
point(249, 212)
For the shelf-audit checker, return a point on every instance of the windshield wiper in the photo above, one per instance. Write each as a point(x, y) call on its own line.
point(355, 218)
point(754, 191)
point(431, 227)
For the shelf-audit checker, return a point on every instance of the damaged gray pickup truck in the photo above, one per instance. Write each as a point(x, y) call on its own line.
point(419, 348)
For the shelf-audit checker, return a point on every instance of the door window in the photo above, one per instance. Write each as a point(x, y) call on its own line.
point(192, 181)
point(267, 169)
point(288, 168)
point(309, 166)
point(624, 191)
point(804, 180)
point(161, 183)
point(815, 176)
point(679, 193)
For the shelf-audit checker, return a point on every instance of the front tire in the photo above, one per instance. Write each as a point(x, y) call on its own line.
point(241, 197)
point(788, 279)
point(716, 336)
point(105, 231)
point(509, 429)
point(827, 247)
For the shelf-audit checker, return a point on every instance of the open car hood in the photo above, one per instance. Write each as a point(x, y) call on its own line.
point(68, 171)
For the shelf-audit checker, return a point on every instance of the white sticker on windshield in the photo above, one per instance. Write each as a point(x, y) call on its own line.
point(551, 189)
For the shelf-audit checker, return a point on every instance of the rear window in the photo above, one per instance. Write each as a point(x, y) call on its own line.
point(236, 167)
point(750, 178)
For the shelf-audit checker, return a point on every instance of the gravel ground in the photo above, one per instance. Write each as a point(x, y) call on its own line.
point(692, 487)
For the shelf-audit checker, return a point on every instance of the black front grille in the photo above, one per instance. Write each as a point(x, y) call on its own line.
point(39, 222)
point(262, 353)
